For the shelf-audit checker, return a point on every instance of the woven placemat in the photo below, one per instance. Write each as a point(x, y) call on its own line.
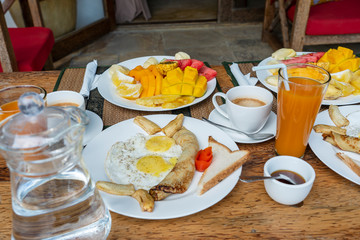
point(72, 78)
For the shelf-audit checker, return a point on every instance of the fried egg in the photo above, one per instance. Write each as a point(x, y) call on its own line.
point(353, 129)
point(143, 161)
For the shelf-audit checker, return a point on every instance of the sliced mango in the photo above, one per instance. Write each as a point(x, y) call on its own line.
point(136, 72)
point(152, 85)
point(187, 89)
point(190, 75)
point(351, 63)
point(145, 84)
point(173, 89)
point(175, 76)
point(184, 83)
point(348, 53)
point(200, 87)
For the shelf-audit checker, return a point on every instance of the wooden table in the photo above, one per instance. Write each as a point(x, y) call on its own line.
point(331, 211)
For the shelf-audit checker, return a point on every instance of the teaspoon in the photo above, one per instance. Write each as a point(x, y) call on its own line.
point(256, 136)
point(260, 178)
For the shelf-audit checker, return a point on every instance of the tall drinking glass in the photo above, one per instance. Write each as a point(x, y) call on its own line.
point(298, 103)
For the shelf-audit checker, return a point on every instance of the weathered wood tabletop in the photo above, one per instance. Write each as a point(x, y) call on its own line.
point(331, 211)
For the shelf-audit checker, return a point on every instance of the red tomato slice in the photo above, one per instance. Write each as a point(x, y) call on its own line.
point(203, 159)
point(202, 165)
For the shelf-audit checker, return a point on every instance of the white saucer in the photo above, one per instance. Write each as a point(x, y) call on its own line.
point(94, 127)
point(270, 127)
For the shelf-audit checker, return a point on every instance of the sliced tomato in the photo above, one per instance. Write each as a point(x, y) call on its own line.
point(202, 165)
point(203, 159)
point(204, 155)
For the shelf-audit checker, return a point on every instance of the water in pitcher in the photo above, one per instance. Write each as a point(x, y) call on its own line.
point(53, 196)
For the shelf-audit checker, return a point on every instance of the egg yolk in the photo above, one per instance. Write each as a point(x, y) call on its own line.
point(155, 165)
point(159, 143)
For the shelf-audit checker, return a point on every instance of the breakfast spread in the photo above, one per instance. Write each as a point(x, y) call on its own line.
point(342, 64)
point(170, 83)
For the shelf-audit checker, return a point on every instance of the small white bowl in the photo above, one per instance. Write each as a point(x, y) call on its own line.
point(288, 194)
point(59, 97)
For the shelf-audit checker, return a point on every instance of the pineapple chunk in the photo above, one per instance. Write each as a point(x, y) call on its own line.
point(156, 101)
point(345, 88)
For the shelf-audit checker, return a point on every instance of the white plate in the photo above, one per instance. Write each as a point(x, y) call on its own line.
point(262, 75)
point(270, 127)
point(94, 127)
point(326, 152)
point(108, 90)
point(174, 206)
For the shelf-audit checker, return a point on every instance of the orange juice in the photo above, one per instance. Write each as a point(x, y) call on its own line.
point(297, 110)
point(8, 109)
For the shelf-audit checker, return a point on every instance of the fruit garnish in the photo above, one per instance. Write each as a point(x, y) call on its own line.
point(203, 159)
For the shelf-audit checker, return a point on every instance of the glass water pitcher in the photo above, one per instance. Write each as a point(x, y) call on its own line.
point(53, 196)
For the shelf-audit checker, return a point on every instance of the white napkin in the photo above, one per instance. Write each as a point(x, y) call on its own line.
point(90, 79)
point(242, 79)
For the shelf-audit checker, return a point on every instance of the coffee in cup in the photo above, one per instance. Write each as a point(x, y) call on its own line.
point(247, 107)
point(65, 99)
point(248, 102)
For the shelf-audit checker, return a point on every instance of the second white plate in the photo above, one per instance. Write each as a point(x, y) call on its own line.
point(262, 75)
point(108, 90)
point(326, 152)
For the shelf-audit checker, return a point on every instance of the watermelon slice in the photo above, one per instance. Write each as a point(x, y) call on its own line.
point(208, 73)
point(183, 63)
point(310, 57)
point(197, 64)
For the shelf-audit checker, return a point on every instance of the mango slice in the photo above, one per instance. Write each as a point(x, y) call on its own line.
point(340, 59)
point(187, 83)
point(351, 63)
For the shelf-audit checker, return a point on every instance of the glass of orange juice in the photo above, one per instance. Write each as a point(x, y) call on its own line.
point(298, 102)
point(10, 95)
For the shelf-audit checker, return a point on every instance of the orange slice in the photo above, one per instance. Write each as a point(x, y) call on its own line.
point(129, 91)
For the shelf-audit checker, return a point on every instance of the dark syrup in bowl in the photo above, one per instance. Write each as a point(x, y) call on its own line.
point(297, 178)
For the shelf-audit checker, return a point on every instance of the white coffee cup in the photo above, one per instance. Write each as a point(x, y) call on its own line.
point(244, 118)
point(65, 98)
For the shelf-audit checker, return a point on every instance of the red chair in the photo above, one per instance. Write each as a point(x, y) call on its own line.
point(333, 22)
point(25, 49)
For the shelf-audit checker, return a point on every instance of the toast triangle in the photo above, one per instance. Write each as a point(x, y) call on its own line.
point(224, 163)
